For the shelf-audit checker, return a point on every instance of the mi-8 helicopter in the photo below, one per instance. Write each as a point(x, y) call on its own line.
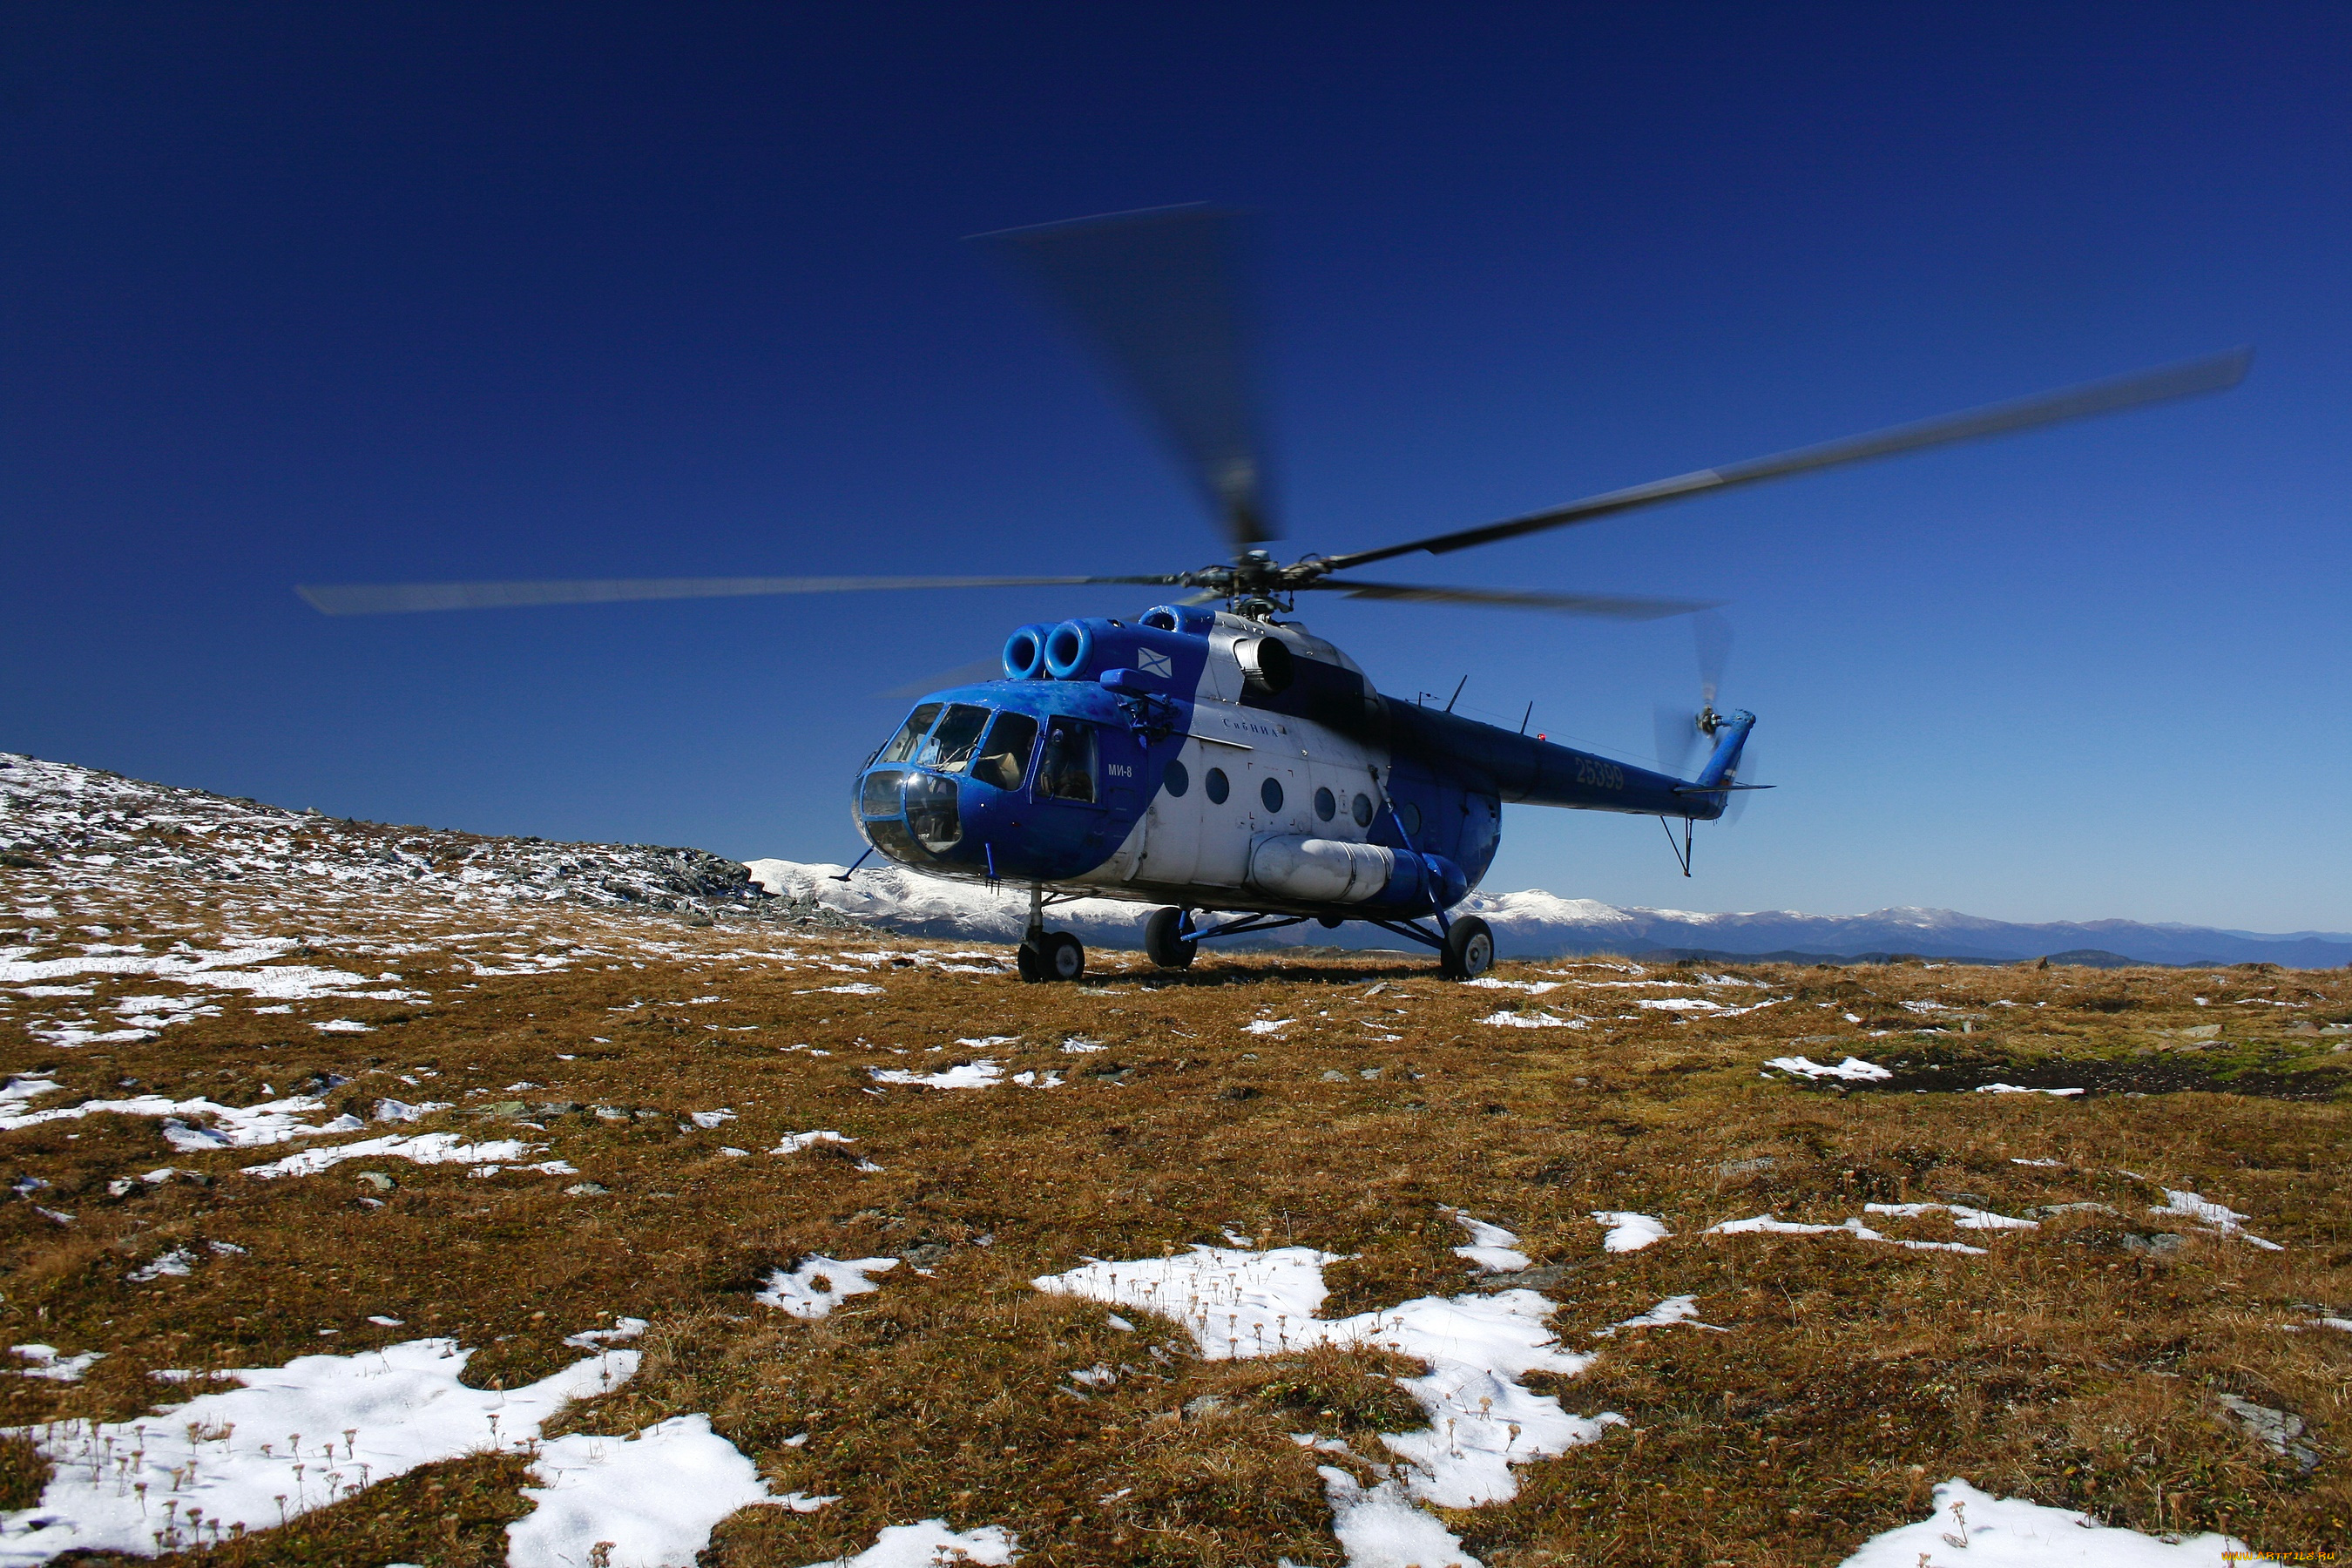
point(1222, 763)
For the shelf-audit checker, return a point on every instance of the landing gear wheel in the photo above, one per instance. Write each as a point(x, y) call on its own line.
point(1030, 960)
point(1161, 943)
point(1469, 950)
point(1066, 957)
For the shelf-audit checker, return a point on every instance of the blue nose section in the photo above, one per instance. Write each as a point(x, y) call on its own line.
point(913, 817)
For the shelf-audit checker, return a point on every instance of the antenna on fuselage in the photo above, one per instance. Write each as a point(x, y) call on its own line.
point(1457, 695)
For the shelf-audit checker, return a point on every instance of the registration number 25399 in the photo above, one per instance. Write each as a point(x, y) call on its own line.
point(1599, 773)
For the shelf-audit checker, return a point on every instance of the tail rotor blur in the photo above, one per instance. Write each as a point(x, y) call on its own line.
point(1735, 805)
point(1679, 730)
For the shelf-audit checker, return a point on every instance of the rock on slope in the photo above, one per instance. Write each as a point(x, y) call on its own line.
point(80, 828)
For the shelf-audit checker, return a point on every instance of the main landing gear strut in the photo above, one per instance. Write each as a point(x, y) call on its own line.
point(1048, 954)
point(1466, 948)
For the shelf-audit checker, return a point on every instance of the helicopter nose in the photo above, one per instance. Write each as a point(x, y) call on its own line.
point(911, 816)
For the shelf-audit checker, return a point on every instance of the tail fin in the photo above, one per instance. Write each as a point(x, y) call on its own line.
point(1722, 764)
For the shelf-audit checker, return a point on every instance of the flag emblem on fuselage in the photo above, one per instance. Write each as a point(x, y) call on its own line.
point(1152, 663)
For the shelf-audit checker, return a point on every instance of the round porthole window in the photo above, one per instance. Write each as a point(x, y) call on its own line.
point(1410, 813)
point(1326, 807)
point(1218, 785)
point(1270, 791)
point(1176, 779)
point(1363, 811)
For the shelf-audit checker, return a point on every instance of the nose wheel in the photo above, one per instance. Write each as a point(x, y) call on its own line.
point(1048, 954)
point(1051, 955)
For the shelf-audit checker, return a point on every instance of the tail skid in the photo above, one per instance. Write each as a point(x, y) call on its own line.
point(1711, 792)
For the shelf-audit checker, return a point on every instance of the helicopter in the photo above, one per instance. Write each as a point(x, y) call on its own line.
point(1212, 758)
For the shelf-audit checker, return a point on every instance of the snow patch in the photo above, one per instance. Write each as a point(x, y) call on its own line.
point(1379, 1527)
point(649, 1502)
point(930, 1545)
point(2011, 1532)
point(1664, 1315)
point(1492, 1248)
point(1629, 1232)
point(232, 1127)
point(622, 1330)
point(48, 1362)
point(971, 1075)
point(419, 1149)
point(821, 1284)
point(1482, 1419)
point(1766, 1223)
point(2221, 1219)
point(1962, 1216)
point(1852, 1067)
point(336, 1425)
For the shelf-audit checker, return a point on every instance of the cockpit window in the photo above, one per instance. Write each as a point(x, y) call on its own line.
point(1068, 770)
point(1005, 757)
point(919, 724)
point(950, 747)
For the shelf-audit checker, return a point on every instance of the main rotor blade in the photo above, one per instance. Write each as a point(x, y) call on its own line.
point(971, 673)
point(2215, 373)
point(1158, 294)
point(1711, 636)
point(394, 598)
point(1614, 606)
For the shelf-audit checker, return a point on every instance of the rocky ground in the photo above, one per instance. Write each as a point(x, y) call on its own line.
point(1677, 1264)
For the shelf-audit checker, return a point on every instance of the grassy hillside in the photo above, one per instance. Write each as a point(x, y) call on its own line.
point(1339, 1104)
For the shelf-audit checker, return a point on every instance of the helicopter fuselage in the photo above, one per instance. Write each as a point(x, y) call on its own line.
point(1213, 761)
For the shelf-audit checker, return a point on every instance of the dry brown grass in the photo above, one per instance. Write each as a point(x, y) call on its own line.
point(2057, 1365)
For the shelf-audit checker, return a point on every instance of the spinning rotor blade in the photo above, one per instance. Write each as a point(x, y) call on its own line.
point(2214, 373)
point(971, 673)
point(1158, 294)
point(1712, 636)
point(395, 598)
point(1614, 606)
point(1677, 728)
point(1678, 737)
point(1736, 806)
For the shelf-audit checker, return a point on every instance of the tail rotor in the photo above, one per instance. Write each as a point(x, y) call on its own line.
point(1679, 730)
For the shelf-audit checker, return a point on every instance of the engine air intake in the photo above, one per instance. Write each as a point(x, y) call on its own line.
point(1024, 653)
point(1067, 648)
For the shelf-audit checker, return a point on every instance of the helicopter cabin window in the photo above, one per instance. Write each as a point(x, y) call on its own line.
point(1270, 791)
point(1217, 786)
point(950, 747)
point(1004, 759)
point(1176, 779)
point(1363, 811)
point(1067, 772)
point(1326, 807)
point(919, 724)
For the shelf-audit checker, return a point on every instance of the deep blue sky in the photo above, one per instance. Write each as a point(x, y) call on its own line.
point(332, 293)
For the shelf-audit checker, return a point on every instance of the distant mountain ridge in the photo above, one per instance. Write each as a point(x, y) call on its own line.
point(55, 814)
point(1533, 923)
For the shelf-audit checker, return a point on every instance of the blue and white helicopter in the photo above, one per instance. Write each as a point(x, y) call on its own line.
point(1209, 757)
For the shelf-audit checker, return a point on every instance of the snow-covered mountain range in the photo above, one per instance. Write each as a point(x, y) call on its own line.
point(1533, 923)
point(63, 827)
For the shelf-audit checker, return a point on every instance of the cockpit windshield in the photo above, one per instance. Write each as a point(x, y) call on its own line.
point(918, 725)
point(950, 747)
point(1004, 759)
